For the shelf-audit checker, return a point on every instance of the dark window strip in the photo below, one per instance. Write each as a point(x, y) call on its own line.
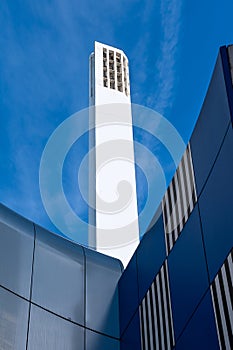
point(228, 274)
point(192, 180)
point(185, 194)
point(192, 176)
point(152, 318)
point(168, 243)
point(167, 290)
point(142, 329)
point(180, 195)
point(147, 320)
point(168, 316)
point(218, 317)
point(165, 214)
point(193, 196)
point(226, 311)
point(158, 315)
point(170, 216)
point(173, 240)
point(163, 311)
point(175, 206)
point(174, 189)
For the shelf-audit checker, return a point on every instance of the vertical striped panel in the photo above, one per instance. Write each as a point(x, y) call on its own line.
point(156, 323)
point(179, 199)
point(222, 297)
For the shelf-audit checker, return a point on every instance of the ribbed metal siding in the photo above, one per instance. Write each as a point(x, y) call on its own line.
point(222, 296)
point(156, 316)
point(179, 199)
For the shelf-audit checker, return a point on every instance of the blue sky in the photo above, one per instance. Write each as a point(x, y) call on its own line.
point(44, 48)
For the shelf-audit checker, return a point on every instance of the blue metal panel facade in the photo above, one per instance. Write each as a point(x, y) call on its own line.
point(200, 332)
point(131, 336)
point(187, 272)
point(198, 232)
point(216, 207)
point(128, 293)
point(147, 267)
point(211, 127)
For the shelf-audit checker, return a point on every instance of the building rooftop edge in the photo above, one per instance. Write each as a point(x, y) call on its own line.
point(110, 47)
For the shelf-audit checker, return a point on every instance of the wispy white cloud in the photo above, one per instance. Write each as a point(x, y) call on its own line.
point(170, 13)
point(157, 74)
point(156, 54)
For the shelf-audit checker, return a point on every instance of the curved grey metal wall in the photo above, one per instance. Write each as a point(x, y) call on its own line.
point(54, 294)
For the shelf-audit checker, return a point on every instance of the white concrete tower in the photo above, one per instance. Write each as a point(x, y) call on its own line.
point(112, 183)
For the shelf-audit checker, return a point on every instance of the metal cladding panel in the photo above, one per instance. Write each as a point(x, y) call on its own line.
point(102, 308)
point(128, 293)
point(179, 200)
point(222, 296)
point(48, 331)
point(58, 280)
point(187, 272)
point(96, 341)
point(216, 203)
point(156, 321)
point(16, 252)
point(131, 336)
point(153, 245)
point(211, 126)
point(13, 321)
point(200, 332)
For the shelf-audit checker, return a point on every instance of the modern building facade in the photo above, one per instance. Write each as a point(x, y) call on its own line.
point(113, 218)
point(54, 294)
point(176, 292)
